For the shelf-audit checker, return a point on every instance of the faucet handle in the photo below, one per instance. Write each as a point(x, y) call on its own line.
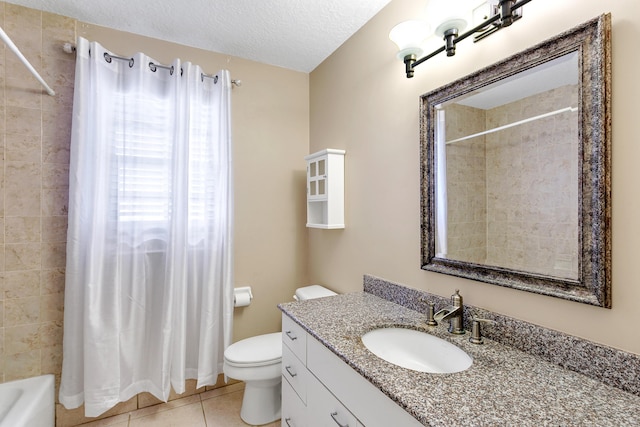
point(430, 312)
point(476, 332)
point(456, 299)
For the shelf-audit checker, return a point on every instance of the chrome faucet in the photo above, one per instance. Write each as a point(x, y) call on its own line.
point(454, 313)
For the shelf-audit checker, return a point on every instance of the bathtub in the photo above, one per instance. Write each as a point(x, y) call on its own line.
point(28, 403)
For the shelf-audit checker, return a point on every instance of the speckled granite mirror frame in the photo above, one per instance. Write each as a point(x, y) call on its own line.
point(592, 40)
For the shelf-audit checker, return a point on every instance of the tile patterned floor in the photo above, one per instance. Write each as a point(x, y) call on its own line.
point(215, 408)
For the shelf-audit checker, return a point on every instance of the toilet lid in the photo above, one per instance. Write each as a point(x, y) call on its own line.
point(259, 350)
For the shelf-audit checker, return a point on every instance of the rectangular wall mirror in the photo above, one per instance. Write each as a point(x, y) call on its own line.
point(515, 170)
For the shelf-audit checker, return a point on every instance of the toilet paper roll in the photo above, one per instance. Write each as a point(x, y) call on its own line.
point(242, 300)
point(242, 297)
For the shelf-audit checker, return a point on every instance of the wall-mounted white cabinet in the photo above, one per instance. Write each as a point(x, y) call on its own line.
point(325, 189)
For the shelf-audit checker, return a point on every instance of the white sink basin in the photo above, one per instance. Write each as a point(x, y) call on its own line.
point(416, 350)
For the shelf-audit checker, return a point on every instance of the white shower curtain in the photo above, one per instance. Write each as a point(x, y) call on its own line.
point(441, 185)
point(149, 295)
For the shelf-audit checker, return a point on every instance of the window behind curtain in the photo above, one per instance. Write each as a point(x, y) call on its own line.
point(142, 165)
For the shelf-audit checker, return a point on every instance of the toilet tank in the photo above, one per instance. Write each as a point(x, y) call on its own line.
point(311, 292)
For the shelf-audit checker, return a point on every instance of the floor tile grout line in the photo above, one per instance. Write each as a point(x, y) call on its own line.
point(204, 416)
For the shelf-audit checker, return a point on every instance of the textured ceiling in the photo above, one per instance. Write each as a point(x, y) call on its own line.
point(294, 34)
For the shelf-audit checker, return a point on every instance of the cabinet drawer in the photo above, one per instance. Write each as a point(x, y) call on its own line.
point(294, 371)
point(294, 412)
point(294, 337)
point(324, 410)
point(372, 407)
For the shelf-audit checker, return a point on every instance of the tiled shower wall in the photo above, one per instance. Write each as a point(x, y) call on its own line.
point(532, 185)
point(493, 217)
point(466, 185)
point(35, 142)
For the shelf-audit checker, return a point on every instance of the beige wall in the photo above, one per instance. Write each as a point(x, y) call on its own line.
point(362, 102)
point(270, 121)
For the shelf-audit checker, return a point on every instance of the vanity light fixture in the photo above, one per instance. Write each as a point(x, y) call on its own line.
point(409, 36)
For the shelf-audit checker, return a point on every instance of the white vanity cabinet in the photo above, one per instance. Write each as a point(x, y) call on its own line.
point(320, 390)
point(325, 189)
point(295, 376)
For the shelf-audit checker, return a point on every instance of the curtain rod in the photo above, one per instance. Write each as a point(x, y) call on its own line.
point(7, 40)
point(521, 122)
point(71, 48)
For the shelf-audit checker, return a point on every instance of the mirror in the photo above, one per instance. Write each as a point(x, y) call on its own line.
point(515, 170)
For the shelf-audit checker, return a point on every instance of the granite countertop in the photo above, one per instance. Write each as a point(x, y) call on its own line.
point(504, 386)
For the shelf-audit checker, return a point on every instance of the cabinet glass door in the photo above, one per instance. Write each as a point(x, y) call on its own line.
point(317, 178)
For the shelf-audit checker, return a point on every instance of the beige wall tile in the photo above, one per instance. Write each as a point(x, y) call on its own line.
point(22, 175)
point(56, 127)
point(62, 100)
point(50, 334)
point(54, 229)
point(22, 256)
point(52, 307)
point(24, 26)
point(51, 360)
point(23, 148)
point(15, 69)
point(2, 197)
point(55, 149)
point(56, 31)
point(21, 311)
point(52, 281)
point(55, 202)
point(21, 365)
point(24, 121)
point(20, 284)
point(21, 339)
point(58, 71)
point(53, 255)
point(55, 176)
point(22, 92)
point(22, 201)
point(22, 229)
point(22, 182)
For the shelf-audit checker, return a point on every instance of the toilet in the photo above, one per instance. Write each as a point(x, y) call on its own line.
point(258, 362)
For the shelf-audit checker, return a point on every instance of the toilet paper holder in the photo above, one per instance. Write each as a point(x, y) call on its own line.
point(242, 296)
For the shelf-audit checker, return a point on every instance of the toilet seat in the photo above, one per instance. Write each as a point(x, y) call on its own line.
point(261, 350)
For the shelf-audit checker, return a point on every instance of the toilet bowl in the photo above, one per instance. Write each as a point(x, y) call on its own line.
point(258, 362)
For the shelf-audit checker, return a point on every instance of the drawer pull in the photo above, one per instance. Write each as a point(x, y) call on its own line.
point(291, 335)
point(286, 420)
point(334, 416)
point(288, 368)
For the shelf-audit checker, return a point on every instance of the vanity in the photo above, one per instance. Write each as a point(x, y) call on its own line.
point(331, 379)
